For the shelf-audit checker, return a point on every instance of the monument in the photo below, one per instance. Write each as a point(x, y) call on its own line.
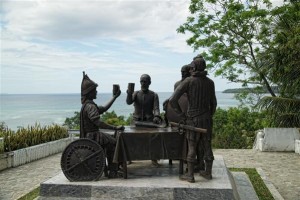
point(83, 160)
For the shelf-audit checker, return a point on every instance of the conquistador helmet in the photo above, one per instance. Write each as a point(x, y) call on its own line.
point(87, 85)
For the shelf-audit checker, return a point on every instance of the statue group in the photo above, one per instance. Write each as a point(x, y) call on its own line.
point(193, 103)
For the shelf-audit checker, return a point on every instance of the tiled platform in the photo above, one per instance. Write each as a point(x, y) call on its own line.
point(144, 182)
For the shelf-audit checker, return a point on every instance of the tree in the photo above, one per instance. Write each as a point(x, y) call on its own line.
point(250, 42)
point(73, 122)
point(108, 117)
point(284, 66)
point(284, 56)
point(236, 35)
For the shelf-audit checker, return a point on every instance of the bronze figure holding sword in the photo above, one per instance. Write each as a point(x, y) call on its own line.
point(202, 104)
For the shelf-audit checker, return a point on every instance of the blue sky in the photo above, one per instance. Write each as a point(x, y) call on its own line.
point(45, 45)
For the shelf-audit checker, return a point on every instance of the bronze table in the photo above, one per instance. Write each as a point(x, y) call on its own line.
point(139, 143)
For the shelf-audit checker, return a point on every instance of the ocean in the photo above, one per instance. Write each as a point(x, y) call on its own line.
point(21, 110)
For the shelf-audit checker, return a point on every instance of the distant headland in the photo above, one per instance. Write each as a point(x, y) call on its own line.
point(240, 90)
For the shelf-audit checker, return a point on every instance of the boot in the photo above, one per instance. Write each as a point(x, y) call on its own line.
point(113, 171)
point(112, 168)
point(208, 167)
point(200, 166)
point(115, 174)
point(155, 163)
point(189, 177)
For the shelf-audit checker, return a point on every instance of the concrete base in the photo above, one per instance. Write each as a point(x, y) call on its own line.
point(277, 139)
point(146, 182)
point(244, 186)
point(297, 146)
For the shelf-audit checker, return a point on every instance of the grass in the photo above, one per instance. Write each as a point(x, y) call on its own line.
point(31, 195)
point(260, 188)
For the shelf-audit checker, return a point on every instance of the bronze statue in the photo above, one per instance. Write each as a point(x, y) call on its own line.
point(146, 103)
point(185, 72)
point(90, 121)
point(172, 116)
point(201, 107)
point(200, 166)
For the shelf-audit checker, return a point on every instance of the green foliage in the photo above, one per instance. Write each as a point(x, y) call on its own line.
point(249, 42)
point(236, 34)
point(260, 188)
point(283, 60)
point(32, 135)
point(284, 112)
point(112, 119)
point(2, 127)
point(73, 122)
point(235, 128)
point(108, 117)
point(283, 64)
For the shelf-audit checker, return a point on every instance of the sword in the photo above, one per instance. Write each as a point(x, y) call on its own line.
point(187, 127)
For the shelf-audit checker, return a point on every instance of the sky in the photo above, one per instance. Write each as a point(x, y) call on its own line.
point(46, 45)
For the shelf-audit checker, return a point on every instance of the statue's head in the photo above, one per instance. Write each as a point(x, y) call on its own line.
point(88, 87)
point(198, 56)
point(145, 81)
point(198, 64)
point(185, 71)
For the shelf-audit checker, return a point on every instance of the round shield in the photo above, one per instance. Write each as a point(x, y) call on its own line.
point(83, 160)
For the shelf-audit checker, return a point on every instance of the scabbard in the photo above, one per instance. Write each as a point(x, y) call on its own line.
point(187, 127)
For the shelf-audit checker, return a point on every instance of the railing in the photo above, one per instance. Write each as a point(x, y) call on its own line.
point(73, 133)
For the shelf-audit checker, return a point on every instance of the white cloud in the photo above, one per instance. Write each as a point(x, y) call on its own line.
point(52, 42)
point(62, 20)
point(40, 38)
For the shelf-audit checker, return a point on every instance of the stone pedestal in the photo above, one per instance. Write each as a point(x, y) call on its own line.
point(146, 182)
point(297, 146)
point(277, 139)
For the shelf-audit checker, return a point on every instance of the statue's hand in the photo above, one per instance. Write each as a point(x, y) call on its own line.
point(157, 120)
point(129, 92)
point(117, 94)
point(120, 127)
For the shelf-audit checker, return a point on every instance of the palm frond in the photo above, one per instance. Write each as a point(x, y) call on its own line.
point(284, 111)
point(288, 120)
point(279, 104)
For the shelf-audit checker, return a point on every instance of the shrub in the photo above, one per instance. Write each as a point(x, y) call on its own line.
point(113, 119)
point(108, 117)
point(32, 135)
point(73, 122)
point(235, 128)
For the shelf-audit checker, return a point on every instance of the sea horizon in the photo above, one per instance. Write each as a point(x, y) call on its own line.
point(76, 93)
point(22, 110)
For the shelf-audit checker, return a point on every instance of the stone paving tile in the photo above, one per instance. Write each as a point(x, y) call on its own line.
point(15, 182)
point(282, 169)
